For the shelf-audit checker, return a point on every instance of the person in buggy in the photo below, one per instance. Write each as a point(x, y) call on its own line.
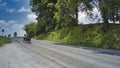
point(27, 38)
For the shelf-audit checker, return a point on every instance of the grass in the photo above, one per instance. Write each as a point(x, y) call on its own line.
point(19, 37)
point(91, 35)
point(4, 40)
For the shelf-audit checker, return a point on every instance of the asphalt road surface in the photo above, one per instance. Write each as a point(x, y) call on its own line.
point(46, 54)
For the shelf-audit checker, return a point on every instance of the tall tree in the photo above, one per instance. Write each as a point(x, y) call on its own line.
point(64, 13)
point(110, 9)
point(15, 34)
point(67, 12)
point(30, 29)
point(45, 11)
point(3, 31)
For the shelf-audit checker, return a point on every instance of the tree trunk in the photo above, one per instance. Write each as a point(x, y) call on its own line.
point(105, 21)
point(76, 16)
point(113, 21)
point(106, 25)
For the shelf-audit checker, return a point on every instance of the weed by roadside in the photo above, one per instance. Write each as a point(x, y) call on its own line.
point(4, 40)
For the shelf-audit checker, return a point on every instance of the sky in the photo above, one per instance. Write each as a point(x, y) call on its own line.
point(14, 14)
point(84, 19)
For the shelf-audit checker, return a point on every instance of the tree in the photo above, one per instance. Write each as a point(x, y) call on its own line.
point(9, 35)
point(3, 31)
point(45, 11)
point(110, 9)
point(67, 13)
point(64, 13)
point(30, 29)
point(15, 34)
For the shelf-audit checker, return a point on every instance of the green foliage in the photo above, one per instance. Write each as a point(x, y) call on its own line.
point(30, 29)
point(44, 10)
point(112, 38)
point(109, 10)
point(59, 34)
point(66, 15)
point(4, 40)
point(112, 8)
point(55, 14)
point(51, 5)
point(87, 35)
point(58, 21)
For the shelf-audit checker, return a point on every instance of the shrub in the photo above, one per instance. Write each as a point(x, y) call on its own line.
point(87, 35)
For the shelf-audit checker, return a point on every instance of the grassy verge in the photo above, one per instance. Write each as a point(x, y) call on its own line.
point(19, 37)
point(4, 40)
point(87, 35)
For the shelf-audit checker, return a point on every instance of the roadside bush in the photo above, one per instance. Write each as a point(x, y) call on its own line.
point(87, 35)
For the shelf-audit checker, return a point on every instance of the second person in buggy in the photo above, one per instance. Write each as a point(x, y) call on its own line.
point(27, 38)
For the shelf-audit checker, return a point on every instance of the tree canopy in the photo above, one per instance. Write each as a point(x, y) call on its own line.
point(55, 14)
point(30, 29)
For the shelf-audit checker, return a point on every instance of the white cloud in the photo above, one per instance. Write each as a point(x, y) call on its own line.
point(3, 4)
point(2, 21)
point(11, 10)
point(23, 9)
point(11, 26)
point(82, 17)
point(16, 0)
point(32, 17)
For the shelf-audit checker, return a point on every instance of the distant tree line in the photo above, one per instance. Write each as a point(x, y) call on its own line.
point(9, 35)
point(56, 14)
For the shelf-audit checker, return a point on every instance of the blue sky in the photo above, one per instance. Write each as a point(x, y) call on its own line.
point(14, 14)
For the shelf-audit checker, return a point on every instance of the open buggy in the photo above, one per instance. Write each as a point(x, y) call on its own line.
point(26, 38)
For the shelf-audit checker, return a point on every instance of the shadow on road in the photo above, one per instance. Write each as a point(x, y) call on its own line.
point(104, 51)
point(95, 50)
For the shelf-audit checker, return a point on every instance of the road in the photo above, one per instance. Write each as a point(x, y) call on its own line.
point(46, 54)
